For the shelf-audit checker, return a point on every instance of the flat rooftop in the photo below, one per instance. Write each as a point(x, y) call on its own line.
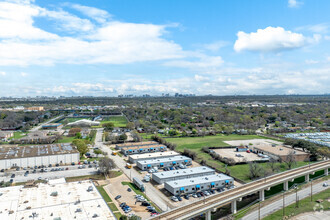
point(12, 152)
point(165, 159)
point(279, 150)
point(154, 154)
point(183, 172)
point(137, 144)
point(198, 180)
point(72, 202)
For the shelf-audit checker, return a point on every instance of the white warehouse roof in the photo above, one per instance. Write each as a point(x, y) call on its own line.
point(165, 159)
point(198, 180)
point(183, 172)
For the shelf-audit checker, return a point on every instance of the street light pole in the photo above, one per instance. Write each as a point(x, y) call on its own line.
point(311, 190)
point(296, 187)
point(283, 205)
point(259, 210)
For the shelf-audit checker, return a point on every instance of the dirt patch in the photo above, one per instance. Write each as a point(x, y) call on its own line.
point(312, 216)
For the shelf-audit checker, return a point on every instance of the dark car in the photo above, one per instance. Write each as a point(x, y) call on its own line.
point(73, 164)
point(57, 165)
point(186, 197)
point(122, 204)
point(49, 165)
point(2, 170)
point(34, 171)
point(129, 189)
point(11, 180)
point(179, 198)
point(13, 176)
point(118, 197)
point(145, 203)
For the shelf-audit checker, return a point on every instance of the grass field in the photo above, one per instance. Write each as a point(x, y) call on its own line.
point(118, 121)
point(18, 135)
point(65, 139)
point(197, 143)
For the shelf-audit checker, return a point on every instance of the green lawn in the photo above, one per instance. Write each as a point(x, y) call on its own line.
point(118, 121)
point(87, 177)
point(65, 139)
point(196, 144)
point(113, 207)
point(104, 194)
point(18, 135)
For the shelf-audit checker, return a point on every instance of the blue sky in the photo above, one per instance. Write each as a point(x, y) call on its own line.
point(152, 47)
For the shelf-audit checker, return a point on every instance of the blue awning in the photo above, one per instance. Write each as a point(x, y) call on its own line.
point(161, 147)
point(141, 149)
point(151, 148)
point(186, 161)
point(148, 165)
point(162, 164)
point(182, 188)
point(174, 162)
point(198, 186)
point(129, 150)
point(212, 184)
point(226, 181)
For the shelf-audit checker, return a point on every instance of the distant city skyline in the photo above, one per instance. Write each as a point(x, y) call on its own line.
point(108, 48)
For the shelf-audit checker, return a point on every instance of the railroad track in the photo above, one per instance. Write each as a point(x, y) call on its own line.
point(236, 192)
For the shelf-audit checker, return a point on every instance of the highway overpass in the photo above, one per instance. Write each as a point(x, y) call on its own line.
point(233, 195)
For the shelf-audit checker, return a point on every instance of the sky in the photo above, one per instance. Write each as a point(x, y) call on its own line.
point(113, 47)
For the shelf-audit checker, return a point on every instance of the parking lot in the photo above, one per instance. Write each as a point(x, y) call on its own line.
point(47, 173)
point(237, 156)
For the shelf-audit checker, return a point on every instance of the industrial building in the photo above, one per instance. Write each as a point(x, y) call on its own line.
point(137, 157)
point(163, 162)
point(37, 155)
point(52, 126)
point(196, 184)
point(172, 175)
point(55, 200)
point(143, 149)
point(280, 152)
point(135, 144)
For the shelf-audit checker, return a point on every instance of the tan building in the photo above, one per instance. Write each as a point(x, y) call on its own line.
point(281, 152)
point(36, 108)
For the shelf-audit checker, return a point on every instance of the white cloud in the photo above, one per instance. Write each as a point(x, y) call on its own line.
point(199, 62)
point(98, 15)
point(2, 73)
point(317, 28)
point(311, 61)
point(215, 46)
point(294, 4)
point(24, 74)
point(271, 39)
point(200, 78)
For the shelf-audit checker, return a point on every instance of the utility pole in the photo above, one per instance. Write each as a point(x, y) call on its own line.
point(283, 205)
point(259, 210)
point(311, 190)
point(296, 187)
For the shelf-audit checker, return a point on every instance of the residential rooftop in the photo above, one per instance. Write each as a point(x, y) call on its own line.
point(189, 171)
point(12, 152)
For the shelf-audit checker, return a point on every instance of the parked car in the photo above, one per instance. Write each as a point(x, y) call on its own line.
point(11, 180)
point(122, 204)
point(186, 196)
point(175, 199)
point(2, 170)
point(117, 197)
point(13, 175)
point(179, 198)
point(145, 203)
point(325, 184)
point(129, 189)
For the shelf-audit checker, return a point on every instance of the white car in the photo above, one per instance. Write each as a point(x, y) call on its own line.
point(325, 184)
point(194, 195)
point(174, 199)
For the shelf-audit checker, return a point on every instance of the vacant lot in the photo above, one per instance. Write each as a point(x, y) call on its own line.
point(238, 171)
point(118, 121)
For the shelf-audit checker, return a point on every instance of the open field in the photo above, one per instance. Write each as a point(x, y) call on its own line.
point(118, 121)
point(240, 171)
point(65, 139)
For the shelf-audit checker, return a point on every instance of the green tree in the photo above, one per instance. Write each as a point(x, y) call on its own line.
point(108, 126)
point(81, 146)
point(123, 137)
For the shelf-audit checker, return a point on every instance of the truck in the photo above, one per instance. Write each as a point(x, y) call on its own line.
point(128, 166)
point(138, 183)
point(114, 153)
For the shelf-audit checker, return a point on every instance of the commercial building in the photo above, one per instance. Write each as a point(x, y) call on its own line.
point(37, 155)
point(52, 126)
point(280, 152)
point(143, 149)
point(55, 200)
point(135, 144)
point(163, 162)
point(137, 157)
point(196, 184)
point(172, 175)
point(35, 108)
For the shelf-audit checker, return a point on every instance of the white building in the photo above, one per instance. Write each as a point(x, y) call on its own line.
point(147, 156)
point(172, 175)
point(84, 123)
point(198, 184)
point(37, 155)
point(163, 162)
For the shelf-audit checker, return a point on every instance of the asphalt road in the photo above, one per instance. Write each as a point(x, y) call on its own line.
point(288, 199)
point(155, 195)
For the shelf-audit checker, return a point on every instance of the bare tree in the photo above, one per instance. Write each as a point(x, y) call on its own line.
point(106, 164)
point(290, 159)
point(273, 165)
point(255, 170)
